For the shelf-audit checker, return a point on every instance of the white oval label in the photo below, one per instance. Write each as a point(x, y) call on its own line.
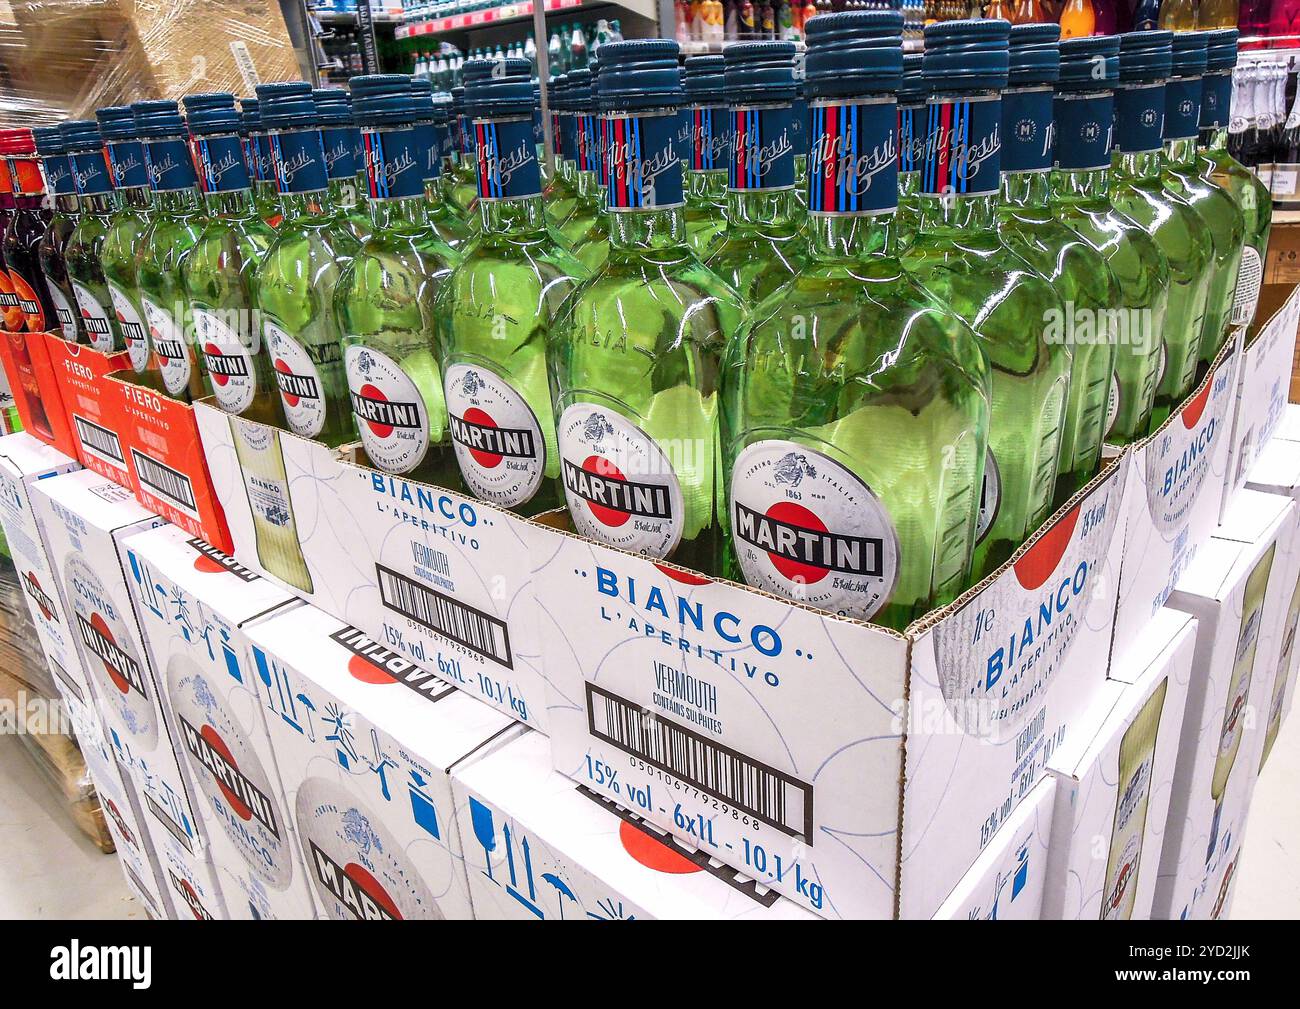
point(389, 410)
point(65, 312)
point(1112, 402)
point(228, 359)
point(133, 329)
point(620, 487)
point(94, 317)
point(169, 345)
point(1250, 274)
point(499, 443)
point(810, 529)
point(301, 390)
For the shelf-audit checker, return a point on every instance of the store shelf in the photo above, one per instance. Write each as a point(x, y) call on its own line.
point(392, 16)
point(504, 14)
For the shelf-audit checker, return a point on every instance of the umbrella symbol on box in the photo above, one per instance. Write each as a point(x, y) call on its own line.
point(561, 887)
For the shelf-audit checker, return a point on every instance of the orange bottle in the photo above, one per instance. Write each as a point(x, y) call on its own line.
point(1078, 19)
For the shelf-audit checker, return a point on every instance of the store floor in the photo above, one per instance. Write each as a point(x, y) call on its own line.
point(49, 869)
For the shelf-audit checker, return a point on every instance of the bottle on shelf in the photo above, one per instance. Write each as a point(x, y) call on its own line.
point(384, 299)
point(333, 117)
point(1146, 16)
point(460, 188)
point(586, 229)
point(1145, 61)
point(446, 223)
point(958, 257)
point(764, 244)
point(91, 298)
point(912, 93)
point(217, 273)
point(635, 360)
point(709, 150)
point(174, 221)
point(62, 189)
point(577, 48)
point(124, 234)
point(261, 168)
point(1212, 14)
point(1078, 19)
point(1030, 227)
point(28, 222)
point(494, 362)
point(1178, 15)
point(855, 407)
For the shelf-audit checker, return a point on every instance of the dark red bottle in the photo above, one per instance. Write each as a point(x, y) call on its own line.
point(28, 222)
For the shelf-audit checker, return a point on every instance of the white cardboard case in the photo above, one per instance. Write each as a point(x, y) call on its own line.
point(24, 462)
point(1006, 881)
point(1113, 791)
point(775, 737)
point(1237, 590)
point(538, 846)
point(365, 759)
point(441, 578)
point(85, 517)
point(192, 604)
point(1263, 381)
point(189, 878)
point(1174, 497)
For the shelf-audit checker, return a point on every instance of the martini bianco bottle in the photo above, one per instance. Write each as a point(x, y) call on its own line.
point(1282, 678)
point(266, 483)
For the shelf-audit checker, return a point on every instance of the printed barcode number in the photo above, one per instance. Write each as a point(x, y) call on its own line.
point(99, 441)
point(763, 792)
point(164, 481)
point(463, 624)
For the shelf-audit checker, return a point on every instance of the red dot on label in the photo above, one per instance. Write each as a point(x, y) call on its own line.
point(207, 565)
point(237, 805)
point(284, 369)
point(369, 391)
point(488, 460)
point(119, 681)
point(795, 514)
point(652, 852)
point(371, 887)
point(213, 349)
point(367, 672)
point(602, 467)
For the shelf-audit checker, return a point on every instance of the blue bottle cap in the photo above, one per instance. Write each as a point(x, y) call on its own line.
point(705, 80)
point(506, 91)
point(473, 70)
point(287, 105)
point(578, 90)
point(333, 106)
point(556, 92)
point(1034, 54)
point(1145, 56)
point(382, 100)
point(158, 119)
point(80, 136)
point(967, 55)
point(913, 90)
point(1190, 54)
point(1089, 64)
point(250, 114)
point(441, 107)
point(211, 113)
point(853, 53)
point(117, 122)
point(758, 72)
point(49, 140)
point(1220, 49)
point(639, 74)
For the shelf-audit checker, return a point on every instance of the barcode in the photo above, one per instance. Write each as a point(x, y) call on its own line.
point(99, 441)
point(463, 624)
point(764, 792)
point(164, 481)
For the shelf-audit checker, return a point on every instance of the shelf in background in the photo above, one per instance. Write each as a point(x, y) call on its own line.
point(513, 12)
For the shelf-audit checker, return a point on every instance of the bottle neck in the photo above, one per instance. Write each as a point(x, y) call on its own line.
point(709, 186)
point(68, 204)
point(341, 194)
point(231, 204)
point(133, 197)
point(840, 236)
point(177, 201)
point(961, 179)
point(523, 216)
point(296, 205)
point(1081, 185)
point(1140, 164)
point(97, 203)
point(949, 212)
point(1216, 138)
point(1181, 152)
point(762, 207)
point(647, 229)
point(405, 214)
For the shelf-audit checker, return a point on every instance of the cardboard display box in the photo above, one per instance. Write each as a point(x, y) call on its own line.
point(24, 463)
point(540, 847)
point(192, 610)
point(35, 390)
point(365, 758)
point(94, 417)
point(442, 579)
point(1006, 881)
point(1113, 791)
point(1237, 590)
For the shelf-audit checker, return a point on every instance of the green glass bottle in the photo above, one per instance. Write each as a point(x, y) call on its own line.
point(1078, 273)
point(340, 138)
point(461, 185)
point(709, 122)
point(62, 190)
point(1145, 61)
point(958, 258)
point(855, 410)
point(1213, 206)
point(123, 234)
point(911, 148)
point(764, 244)
point(635, 357)
point(384, 299)
point(295, 283)
point(1080, 199)
point(800, 125)
point(446, 223)
point(218, 271)
point(560, 193)
point(586, 229)
point(90, 169)
point(258, 161)
point(1250, 195)
point(175, 220)
point(496, 310)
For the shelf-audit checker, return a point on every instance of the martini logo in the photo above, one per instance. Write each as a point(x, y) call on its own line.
point(40, 597)
point(94, 318)
point(28, 303)
point(229, 361)
point(224, 367)
point(213, 561)
point(298, 377)
point(169, 346)
point(122, 669)
point(115, 814)
point(499, 443)
point(390, 412)
point(1114, 904)
point(808, 528)
point(372, 663)
point(612, 497)
point(133, 329)
point(245, 799)
point(354, 887)
point(63, 312)
point(187, 893)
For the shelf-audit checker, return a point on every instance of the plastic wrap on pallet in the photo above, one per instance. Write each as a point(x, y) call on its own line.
point(65, 58)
